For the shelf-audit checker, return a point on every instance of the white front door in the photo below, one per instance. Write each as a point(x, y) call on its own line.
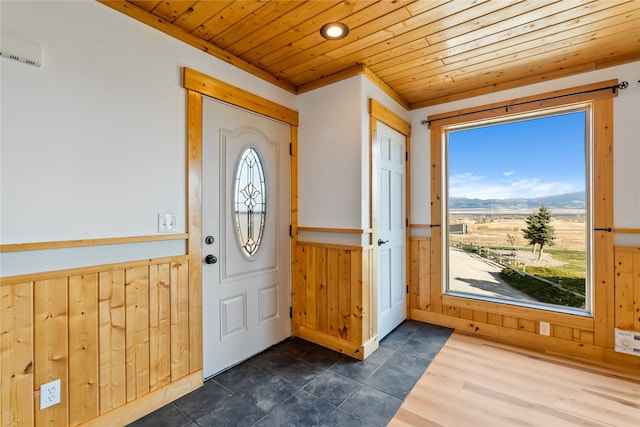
point(391, 229)
point(245, 228)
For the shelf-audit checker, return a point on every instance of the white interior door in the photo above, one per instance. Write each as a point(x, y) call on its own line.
point(245, 226)
point(391, 229)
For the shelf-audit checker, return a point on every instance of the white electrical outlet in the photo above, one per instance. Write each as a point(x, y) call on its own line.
point(167, 223)
point(49, 394)
point(545, 328)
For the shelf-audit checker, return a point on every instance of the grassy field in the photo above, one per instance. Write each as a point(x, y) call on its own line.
point(484, 231)
point(570, 275)
point(542, 291)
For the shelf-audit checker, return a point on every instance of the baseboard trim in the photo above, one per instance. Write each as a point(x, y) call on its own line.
point(357, 351)
point(148, 403)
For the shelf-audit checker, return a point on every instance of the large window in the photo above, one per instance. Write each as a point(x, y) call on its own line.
point(518, 209)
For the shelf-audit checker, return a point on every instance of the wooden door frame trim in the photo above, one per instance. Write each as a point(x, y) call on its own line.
point(217, 89)
point(380, 113)
point(197, 85)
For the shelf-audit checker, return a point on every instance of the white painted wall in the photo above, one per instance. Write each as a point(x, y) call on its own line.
point(93, 142)
point(626, 143)
point(329, 156)
point(333, 157)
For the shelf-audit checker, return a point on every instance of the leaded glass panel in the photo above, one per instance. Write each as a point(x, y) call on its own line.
point(250, 202)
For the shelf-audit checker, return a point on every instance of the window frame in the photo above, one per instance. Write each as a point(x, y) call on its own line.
point(601, 319)
point(588, 185)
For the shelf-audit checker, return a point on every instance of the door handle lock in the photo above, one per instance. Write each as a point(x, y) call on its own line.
point(211, 259)
point(382, 242)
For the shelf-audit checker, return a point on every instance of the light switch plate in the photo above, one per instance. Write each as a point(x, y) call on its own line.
point(167, 223)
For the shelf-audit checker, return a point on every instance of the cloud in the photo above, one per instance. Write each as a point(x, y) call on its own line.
point(507, 173)
point(479, 187)
point(463, 178)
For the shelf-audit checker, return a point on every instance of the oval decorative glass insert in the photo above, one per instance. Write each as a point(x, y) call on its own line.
point(250, 202)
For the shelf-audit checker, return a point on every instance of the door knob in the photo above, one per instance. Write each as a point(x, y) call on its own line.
point(382, 242)
point(210, 259)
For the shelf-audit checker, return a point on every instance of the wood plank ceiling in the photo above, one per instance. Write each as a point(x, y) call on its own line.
point(422, 52)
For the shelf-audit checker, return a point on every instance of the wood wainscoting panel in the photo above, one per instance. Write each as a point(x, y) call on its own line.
point(358, 311)
point(83, 348)
point(333, 290)
point(159, 325)
point(111, 309)
point(182, 336)
point(420, 273)
point(51, 350)
point(343, 313)
point(113, 335)
point(16, 354)
point(627, 292)
point(332, 297)
point(570, 334)
point(136, 290)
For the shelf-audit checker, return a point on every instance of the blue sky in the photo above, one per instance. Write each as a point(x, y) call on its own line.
point(531, 158)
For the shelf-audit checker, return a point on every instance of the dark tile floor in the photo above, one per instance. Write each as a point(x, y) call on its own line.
point(297, 383)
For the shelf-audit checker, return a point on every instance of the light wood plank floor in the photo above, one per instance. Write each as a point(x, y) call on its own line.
point(477, 382)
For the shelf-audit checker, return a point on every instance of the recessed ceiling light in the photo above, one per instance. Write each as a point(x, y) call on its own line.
point(334, 31)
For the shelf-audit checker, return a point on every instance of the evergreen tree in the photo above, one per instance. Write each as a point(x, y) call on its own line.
point(539, 231)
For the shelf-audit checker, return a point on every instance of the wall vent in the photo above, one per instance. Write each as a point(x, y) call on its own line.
point(20, 50)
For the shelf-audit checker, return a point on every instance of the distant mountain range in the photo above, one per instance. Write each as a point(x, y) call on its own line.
point(559, 201)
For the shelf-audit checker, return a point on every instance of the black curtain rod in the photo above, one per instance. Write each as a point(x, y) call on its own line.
point(621, 85)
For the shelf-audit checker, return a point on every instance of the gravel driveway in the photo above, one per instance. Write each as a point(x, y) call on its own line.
point(470, 273)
